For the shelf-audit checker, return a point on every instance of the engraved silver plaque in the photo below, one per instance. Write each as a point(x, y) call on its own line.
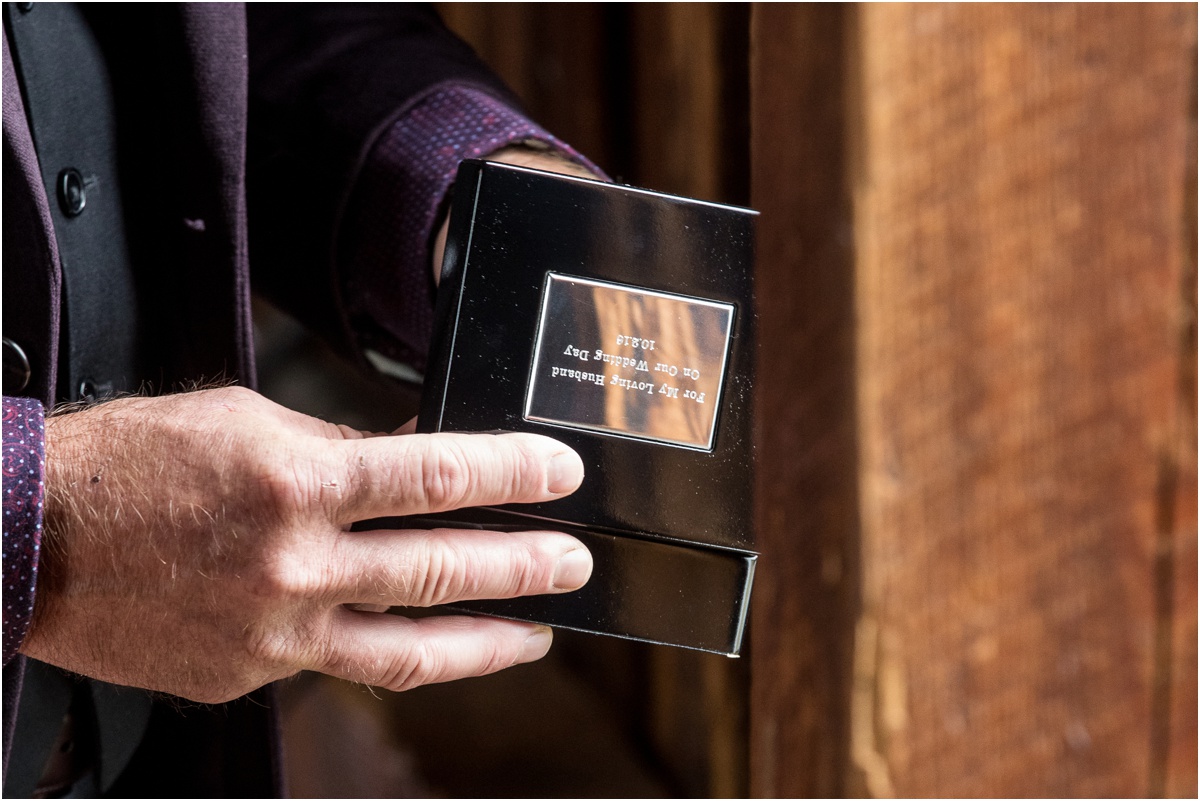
point(628, 361)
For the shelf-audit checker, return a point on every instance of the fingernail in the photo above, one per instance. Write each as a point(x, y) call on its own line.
point(536, 646)
point(564, 473)
point(573, 569)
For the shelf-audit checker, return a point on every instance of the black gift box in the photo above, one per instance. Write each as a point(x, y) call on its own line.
point(621, 322)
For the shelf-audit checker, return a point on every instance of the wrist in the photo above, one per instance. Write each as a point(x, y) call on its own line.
point(539, 155)
point(58, 500)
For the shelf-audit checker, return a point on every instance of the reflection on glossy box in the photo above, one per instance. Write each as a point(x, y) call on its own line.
point(628, 361)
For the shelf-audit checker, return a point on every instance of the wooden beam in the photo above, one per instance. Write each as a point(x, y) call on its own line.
point(1178, 527)
point(978, 400)
point(1020, 203)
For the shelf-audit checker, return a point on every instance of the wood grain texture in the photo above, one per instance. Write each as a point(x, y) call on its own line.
point(1179, 766)
point(1020, 207)
point(806, 488)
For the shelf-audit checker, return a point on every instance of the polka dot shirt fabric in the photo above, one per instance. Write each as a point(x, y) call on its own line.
point(24, 494)
point(385, 266)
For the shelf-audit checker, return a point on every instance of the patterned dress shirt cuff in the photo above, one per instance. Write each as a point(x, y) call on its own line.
point(24, 492)
point(399, 200)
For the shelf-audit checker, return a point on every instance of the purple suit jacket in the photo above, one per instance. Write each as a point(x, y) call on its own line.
point(319, 123)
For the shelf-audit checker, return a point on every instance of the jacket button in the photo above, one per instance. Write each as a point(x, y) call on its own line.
point(16, 368)
point(71, 195)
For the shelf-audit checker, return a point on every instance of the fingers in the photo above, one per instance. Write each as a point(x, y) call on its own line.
point(425, 473)
point(428, 568)
point(398, 653)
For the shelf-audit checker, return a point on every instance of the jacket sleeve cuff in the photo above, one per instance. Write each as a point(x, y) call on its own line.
point(24, 494)
point(400, 197)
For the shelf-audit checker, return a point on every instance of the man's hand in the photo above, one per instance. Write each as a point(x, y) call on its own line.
point(199, 544)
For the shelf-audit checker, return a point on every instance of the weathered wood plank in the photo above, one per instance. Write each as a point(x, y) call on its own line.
point(1180, 767)
point(1019, 214)
point(1007, 196)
